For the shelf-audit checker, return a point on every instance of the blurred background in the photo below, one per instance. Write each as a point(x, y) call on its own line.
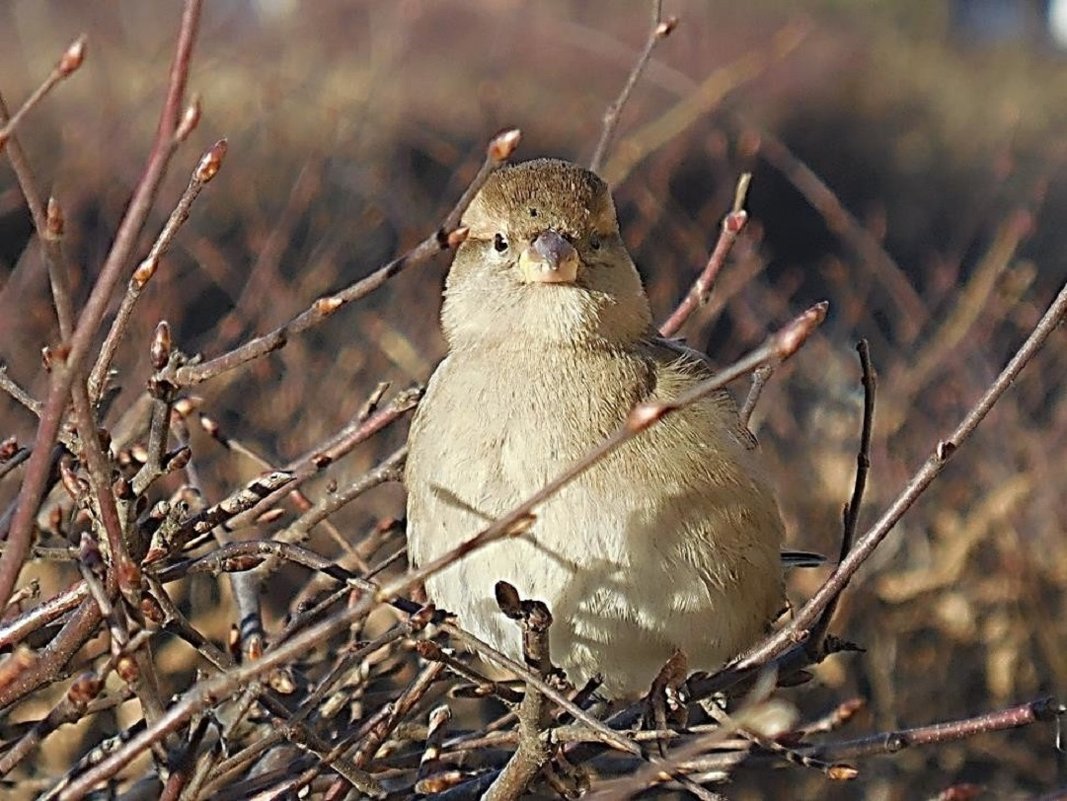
point(908, 167)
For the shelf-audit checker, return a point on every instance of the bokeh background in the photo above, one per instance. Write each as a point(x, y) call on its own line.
point(908, 167)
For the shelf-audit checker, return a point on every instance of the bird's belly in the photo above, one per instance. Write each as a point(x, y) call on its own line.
point(632, 562)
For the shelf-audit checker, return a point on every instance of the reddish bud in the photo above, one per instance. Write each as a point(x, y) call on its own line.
point(790, 338)
point(422, 618)
point(84, 689)
point(22, 659)
point(735, 221)
point(8, 448)
point(121, 489)
point(151, 610)
point(210, 426)
point(72, 58)
point(503, 144)
point(644, 415)
point(54, 221)
point(270, 516)
point(429, 650)
point(161, 342)
point(458, 237)
point(842, 773)
point(183, 407)
point(327, 306)
point(75, 486)
point(51, 356)
point(211, 162)
point(144, 272)
point(126, 667)
point(178, 459)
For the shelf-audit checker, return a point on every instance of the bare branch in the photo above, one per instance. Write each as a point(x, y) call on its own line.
point(37, 467)
point(698, 294)
point(661, 29)
point(799, 628)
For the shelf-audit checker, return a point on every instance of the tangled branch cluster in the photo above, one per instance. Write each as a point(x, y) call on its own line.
point(362, 690)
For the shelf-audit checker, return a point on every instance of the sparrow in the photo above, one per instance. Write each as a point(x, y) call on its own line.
point(671, 543)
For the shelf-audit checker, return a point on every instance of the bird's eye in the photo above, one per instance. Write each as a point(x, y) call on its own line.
point(499, 243)
point(594, 241)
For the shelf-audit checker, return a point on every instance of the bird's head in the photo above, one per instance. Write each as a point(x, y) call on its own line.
point(543, 264)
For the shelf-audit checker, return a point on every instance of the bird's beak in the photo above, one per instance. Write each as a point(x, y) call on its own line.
point(550, 259)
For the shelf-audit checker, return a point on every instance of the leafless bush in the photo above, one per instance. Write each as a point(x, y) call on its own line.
point(203, 574)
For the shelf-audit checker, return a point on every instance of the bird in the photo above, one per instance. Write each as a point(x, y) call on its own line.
point(670, 543)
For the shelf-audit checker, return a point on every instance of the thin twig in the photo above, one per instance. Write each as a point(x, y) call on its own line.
point(661, 29)
point(448, 235)
point(852, 508)
point(1042, 710)
point(81, 341)
point(47, 221)
point(732, 225)
point(68, 63)
point(532, 752)
point(799, 628)
point(760, 377)
point(206, 169)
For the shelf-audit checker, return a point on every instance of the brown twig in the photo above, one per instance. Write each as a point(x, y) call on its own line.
point(448, 235)
point(53, 658)
point(851, 516)
point(206, 693)
point(760, 377)
point(81, 341)
point(206, 169)
point(47, 220)
point(68, 63)
point(798, 629)
point(1042, 710)
point(661, 29)
point(732, 225)
point(532, 751)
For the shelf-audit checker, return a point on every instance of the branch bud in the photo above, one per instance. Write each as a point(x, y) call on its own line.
point(161, 343)
point(144, 272)
point(458, 237)
point(54, 218)
point(796, 333)
point(72, 58)
point(190, 119)
point(211, 162)
point(503, 144)
point(666, 27)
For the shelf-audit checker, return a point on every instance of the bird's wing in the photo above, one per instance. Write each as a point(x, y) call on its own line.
point(673, 350)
